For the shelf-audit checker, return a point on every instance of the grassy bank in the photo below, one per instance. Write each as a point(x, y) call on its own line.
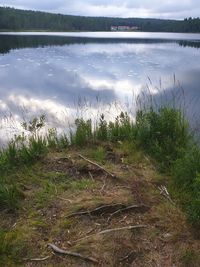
point(44, 179)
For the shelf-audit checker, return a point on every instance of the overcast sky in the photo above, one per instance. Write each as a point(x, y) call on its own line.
point(174, 9)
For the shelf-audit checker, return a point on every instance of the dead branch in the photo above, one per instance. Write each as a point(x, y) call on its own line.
point(39, 259)
point(132, 207)
point(165, 193)
point(122, 228)
point(70, 253)
point(139, 226)
point(99, 210)
point(97, 165)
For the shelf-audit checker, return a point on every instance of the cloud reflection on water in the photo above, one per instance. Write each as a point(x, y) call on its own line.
point(52, 79)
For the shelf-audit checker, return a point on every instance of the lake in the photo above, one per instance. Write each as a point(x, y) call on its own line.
point(65, 75)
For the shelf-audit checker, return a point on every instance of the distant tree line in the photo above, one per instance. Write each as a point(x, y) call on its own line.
point(24, 20)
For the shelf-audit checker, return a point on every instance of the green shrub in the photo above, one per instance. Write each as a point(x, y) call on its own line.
point(83, 133)
point(32, 151)
point(98, 154)
point(22, 150)
point(56, 142)
point(186, 182)
point(12, 248)
point(63, 141)
point(126, 127)
point(121, 129)
point(102, 129)
point(163, 133)
point(9, 196)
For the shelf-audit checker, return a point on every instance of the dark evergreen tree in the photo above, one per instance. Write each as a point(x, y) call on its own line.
point(25, 20)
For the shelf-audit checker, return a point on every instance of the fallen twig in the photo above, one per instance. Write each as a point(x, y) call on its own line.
point(132, 207)
point(91, 176)
point(102, 188)
point(165, 193)
point(65, 199)
point(70, 253)
point(139, 226)
point(127, 256)
point(97, 165)
point(99, 210)
point(39, 259)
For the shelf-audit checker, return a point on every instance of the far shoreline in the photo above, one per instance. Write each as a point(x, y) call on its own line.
point(110, 35)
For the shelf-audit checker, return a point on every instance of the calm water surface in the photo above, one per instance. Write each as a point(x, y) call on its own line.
point(54, 73)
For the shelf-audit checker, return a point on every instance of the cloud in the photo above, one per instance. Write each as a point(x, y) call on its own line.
point(116, 8)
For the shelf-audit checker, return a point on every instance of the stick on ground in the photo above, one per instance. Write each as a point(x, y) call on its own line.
point(165, 193)
point(70, 253)
point(97, 165)
point(131, 227)
point(98, 210)
point(39, 259)
point(132, 207)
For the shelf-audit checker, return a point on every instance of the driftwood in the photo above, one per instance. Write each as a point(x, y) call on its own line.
point(70, 253)
point(97, 165)
point(99, 210)
point(137, 208)
point(165, 193)
point(131, 227)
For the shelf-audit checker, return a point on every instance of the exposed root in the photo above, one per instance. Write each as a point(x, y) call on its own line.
point(70, 253)
point(114, 209)
point(131, 227)
point(137, 208)
point(99, 210)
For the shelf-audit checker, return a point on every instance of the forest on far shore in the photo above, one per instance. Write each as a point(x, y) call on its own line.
point(12, 19)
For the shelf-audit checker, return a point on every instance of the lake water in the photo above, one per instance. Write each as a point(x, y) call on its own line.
point(65, 75)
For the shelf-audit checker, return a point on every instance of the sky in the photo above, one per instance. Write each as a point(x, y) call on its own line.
point(174, 9)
